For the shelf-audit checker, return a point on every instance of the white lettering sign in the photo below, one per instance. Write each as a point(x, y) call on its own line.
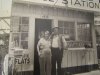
point(91, 5)
point(22, 59)
point(97, 20)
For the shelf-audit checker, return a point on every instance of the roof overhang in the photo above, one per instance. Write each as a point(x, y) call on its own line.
point(88, 5)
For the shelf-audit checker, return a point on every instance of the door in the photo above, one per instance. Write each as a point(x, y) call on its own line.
point(40, 25)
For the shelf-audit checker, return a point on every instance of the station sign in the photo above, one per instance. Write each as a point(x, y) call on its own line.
point(89, 5)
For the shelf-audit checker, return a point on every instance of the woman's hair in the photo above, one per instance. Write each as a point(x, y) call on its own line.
point(47, 32)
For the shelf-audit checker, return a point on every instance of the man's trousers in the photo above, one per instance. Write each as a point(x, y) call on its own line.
point(56, 58)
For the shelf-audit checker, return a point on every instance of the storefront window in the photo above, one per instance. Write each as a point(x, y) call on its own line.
point(20, 28)
point(24, 36)
point(84, 32)
point(15, 24)
point(68, 29)
point(15, 38)
point(76, 36)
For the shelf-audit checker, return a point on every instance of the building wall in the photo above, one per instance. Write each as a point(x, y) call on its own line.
point(71, 58)
point(98, 29)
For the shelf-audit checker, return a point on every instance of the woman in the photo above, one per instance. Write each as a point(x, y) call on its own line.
point(44, 53)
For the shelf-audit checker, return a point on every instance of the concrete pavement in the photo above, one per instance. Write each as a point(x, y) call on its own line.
point(97, 72)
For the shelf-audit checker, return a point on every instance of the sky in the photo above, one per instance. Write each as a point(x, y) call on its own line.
point(5, 11)
point(5, 8)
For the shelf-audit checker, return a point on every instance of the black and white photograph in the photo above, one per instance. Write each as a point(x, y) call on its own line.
point(49, 37)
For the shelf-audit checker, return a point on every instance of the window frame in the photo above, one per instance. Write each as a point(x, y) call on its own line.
point(19, 32)
point(76, 33)
point(68, 28)
point(89, 32)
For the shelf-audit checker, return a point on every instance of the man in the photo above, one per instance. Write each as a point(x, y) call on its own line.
point(58, 43)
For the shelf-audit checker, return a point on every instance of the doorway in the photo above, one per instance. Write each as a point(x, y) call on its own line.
point(40, 25)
